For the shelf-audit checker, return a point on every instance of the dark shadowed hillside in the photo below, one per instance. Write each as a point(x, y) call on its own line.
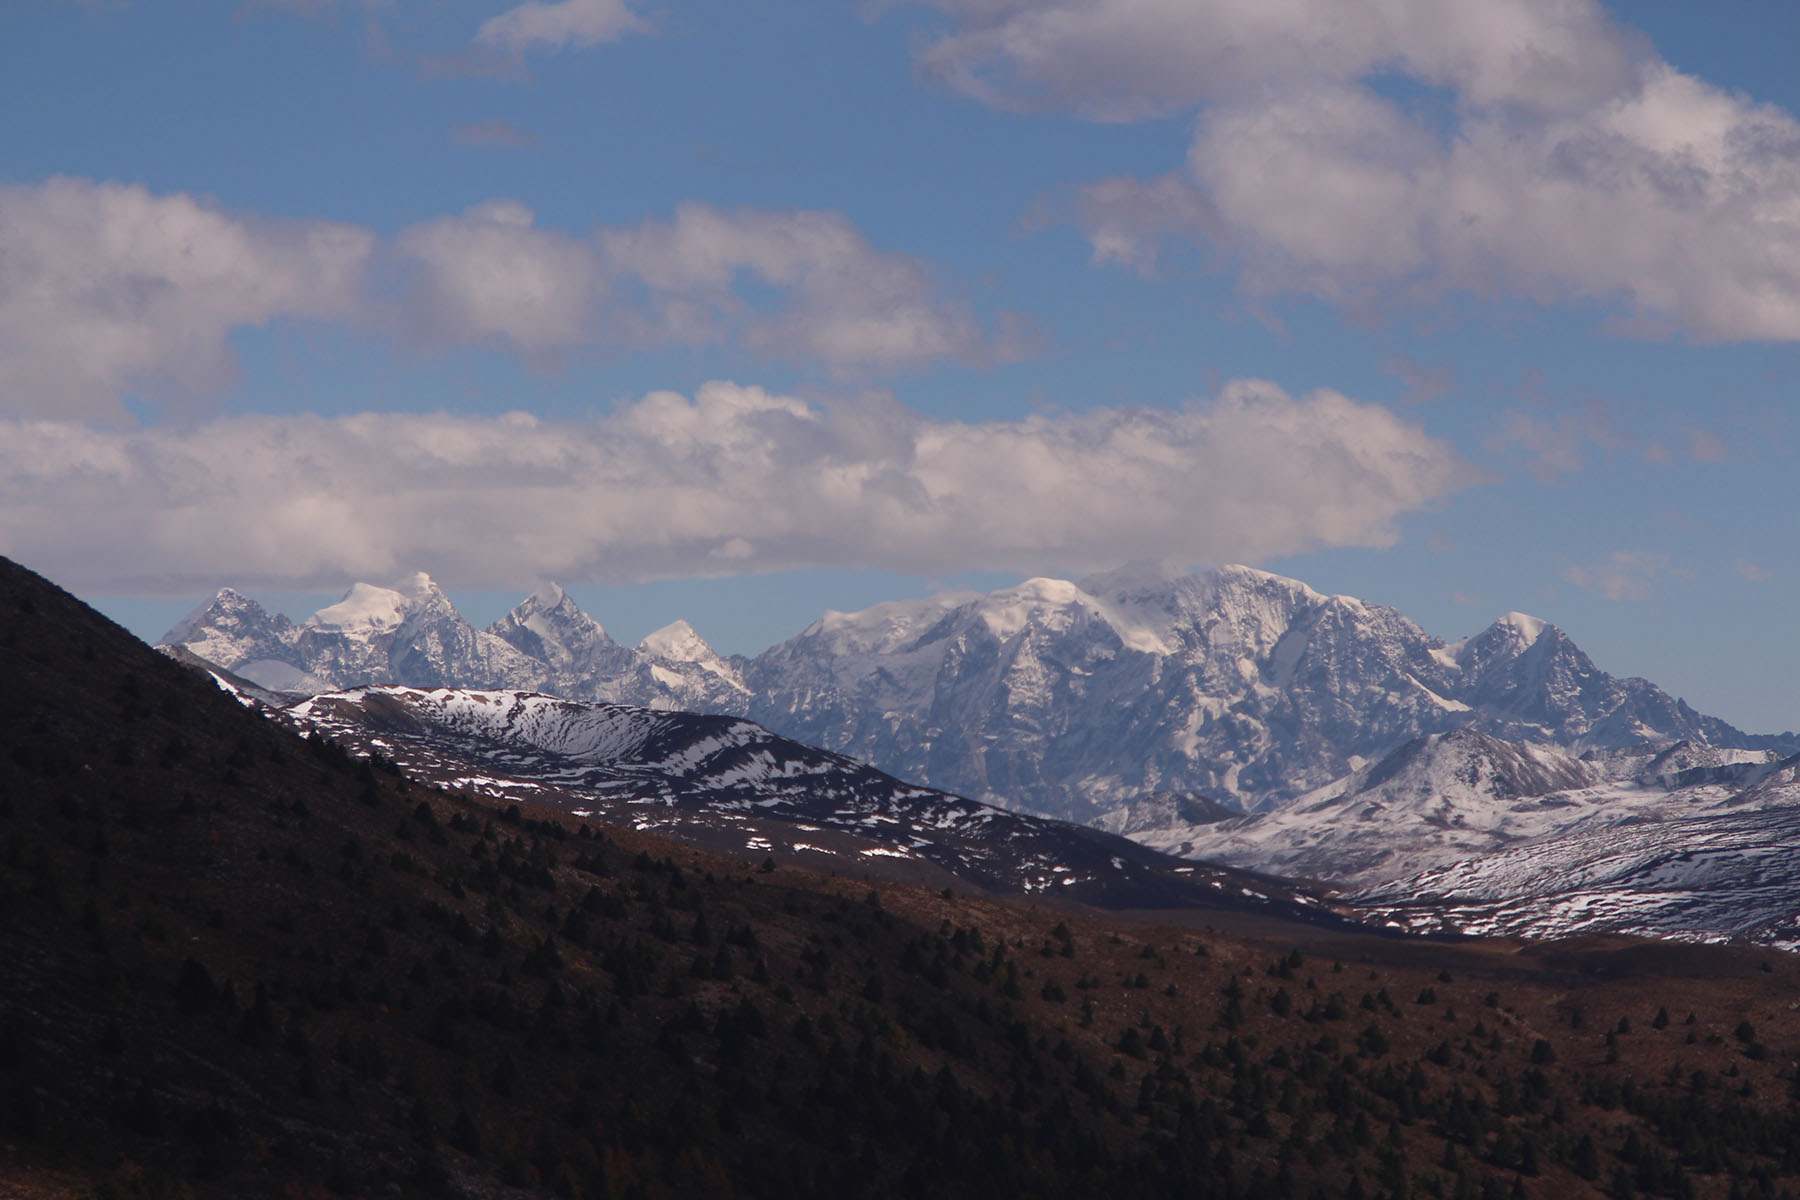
point(239, 963)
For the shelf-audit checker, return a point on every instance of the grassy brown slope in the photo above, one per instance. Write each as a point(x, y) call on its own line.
point(237, 963)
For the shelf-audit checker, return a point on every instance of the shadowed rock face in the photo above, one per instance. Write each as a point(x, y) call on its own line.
point(1061, 698)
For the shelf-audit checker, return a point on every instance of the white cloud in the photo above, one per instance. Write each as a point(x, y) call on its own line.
point(732, 480)
point(491, 277)
point(848, 304)
point(1549, 154)
point(108, 290)
point(1622, 575)
point(1754, 572)
point(1674, 201)
point(539, 26)
point(1127, 220)
point(1125, 59)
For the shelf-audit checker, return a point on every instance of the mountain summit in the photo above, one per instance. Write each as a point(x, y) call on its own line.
point(411, 634)
point(1236, 684)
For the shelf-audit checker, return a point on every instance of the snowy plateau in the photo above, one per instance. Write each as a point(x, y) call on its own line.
point(1233, 716)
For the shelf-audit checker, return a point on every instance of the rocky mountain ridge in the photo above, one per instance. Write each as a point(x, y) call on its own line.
point(1062, 698)
point(731, 786)
point(411, 634)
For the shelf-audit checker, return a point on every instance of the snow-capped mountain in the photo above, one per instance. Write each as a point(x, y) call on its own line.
point(412, 634)
point(1236, 684)
point(1062, 698)
point(550, 628)
point(736, 787)
point(671, 668)
point(234, 630)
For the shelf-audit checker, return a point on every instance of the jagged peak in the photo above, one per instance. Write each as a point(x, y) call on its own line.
point(1510, 636)
point(1528, 629)
point(227, 600)
point(551, 613)
point(547, 597)
point(678, 642)
point(364, 607)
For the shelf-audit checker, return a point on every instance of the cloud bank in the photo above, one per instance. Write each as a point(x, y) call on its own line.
point(109, 291)
point(732, 480)
point(1373, 151)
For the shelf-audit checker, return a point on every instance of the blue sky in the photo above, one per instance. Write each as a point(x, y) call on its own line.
point(736, 312)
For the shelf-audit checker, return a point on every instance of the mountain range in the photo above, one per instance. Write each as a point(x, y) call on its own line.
point(1499, 784)
point(1069, 699)
point(411, 634)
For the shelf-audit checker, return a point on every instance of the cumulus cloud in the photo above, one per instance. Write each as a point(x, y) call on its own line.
point(1674, 200)
point(731, 480)
point(539, 26)
point(1128, 220)
point(1622, 575)
point(1127, 59)
point(1542, 152)
point(850, 305)
point(108, 290)
point(490, 276)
